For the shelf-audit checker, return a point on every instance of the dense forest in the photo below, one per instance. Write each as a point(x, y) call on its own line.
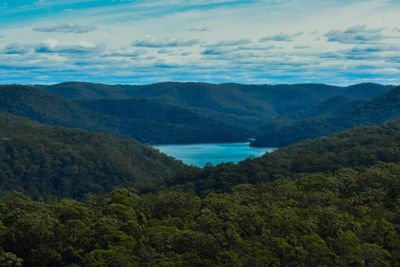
point(349, 217)
point(356, 148)
point(171, 113)
point(140, 119)
point(70, 197)
point(329, 202)
point(44, 161)
point(344, 114)
point(238, 104)
point(54, 161)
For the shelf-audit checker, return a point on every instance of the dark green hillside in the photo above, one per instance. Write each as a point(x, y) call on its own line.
point(31, 103)
point(327, 108)
point(333, 201)
point(377, 110)
point(245, 105)
point(170, 124)
point(331, 106)
point(145, 121)
point(82, 90)
point(361, 147)
point(45, 161)
point(347, 219)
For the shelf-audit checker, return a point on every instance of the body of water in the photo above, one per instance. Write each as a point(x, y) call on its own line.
point(201, 154)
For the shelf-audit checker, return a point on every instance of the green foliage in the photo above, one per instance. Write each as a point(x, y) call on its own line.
point(143, 120)
point(352, 149)
point(8, 259)
point(330, 118)
point(317, 220)
point(153, 122)
point(45, 161)
point(182, 112)
point(334, 201)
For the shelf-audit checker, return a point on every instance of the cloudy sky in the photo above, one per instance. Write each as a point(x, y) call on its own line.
point(254, 41)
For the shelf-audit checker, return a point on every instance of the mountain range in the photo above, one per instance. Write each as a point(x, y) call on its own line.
point(95, 197)
point(343, 114)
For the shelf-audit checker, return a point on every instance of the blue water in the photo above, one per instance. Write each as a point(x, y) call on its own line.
point(201, 154)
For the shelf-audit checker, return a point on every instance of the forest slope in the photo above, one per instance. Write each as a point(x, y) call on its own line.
point(378, 110)
point(44, 161)
point(360, 147)
point(143, 120)
point(238, 104)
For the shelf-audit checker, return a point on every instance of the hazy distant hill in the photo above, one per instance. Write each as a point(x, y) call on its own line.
point(246, 105)
point(143, 120)
point(327, 108)
point(168, 123)
point(53, 161)
point(377, 110)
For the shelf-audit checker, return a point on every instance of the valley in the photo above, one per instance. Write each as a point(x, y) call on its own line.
point(206, 133)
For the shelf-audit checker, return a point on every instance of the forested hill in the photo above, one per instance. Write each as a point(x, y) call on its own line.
point(244, 105)
point(143, 120)
point(164, 123)
point(333, 201)
point(380, 109)
point(44, 161)
point(344, 211)
point(361, 147)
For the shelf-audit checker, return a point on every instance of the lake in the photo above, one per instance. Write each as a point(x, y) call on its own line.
point(201, 154)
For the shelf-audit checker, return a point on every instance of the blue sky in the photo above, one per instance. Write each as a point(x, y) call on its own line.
point(255, 41)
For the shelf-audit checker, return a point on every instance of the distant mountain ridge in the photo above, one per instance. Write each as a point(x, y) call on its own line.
point(182, 112)
point(249, 106)
point(144, 120)
point(378, 110)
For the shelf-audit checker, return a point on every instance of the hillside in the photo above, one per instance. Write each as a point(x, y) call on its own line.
point(242, 105)
point(28, 102)
point(44, 161)
point(360, 147)
point(378, 110)
point(145, 121)
point(325, 109)
point(329, 107)
point(164, 123)
point(345, 214)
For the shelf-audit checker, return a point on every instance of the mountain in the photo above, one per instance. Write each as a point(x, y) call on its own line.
point(360, 147)
point(164, 123)
point(31, 103)
point(45, 161)
point(329, 107)
point(380, 109)
point(238, 104)
point(143, 120)
point(82, 90)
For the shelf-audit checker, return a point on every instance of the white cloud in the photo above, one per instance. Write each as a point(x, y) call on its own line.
point(53, 46)
point(281, 37)
point(15, 48)
point(251, 41)
point(359, 34)
point(170, 42)
point(65, 28)
point(202, 29)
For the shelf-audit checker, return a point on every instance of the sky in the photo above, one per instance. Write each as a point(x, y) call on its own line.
point(336, 42)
